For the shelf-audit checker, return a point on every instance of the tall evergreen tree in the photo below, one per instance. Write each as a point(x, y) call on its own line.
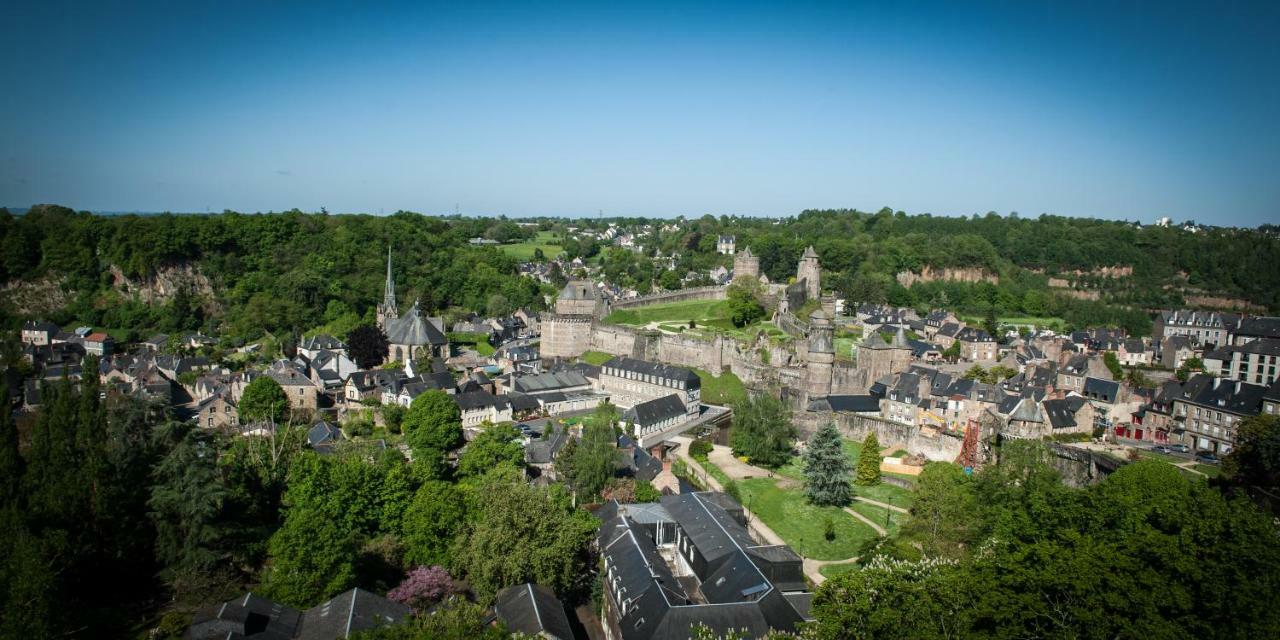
point(762, 430)
point(869, 461)
point(185, 505)
point(826, 469)
point(11, 464)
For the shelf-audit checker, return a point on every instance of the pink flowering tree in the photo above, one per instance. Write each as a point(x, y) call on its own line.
point(423, 587)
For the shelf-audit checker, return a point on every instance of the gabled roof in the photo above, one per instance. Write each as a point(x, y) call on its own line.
point(1104, 390)
point(248, 616)
point(1060, 414)
point(534, 610)
point(413, 329)
point(654, 411)
point(665, 371)
point(354, 610)
point(1237, 397)
point(478, 400)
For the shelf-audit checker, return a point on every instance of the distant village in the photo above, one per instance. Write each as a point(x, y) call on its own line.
point(932, 384)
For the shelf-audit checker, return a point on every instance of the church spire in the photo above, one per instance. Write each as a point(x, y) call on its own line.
point(389, 294)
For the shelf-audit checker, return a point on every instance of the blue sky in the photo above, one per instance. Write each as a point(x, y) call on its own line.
point(1119, 109)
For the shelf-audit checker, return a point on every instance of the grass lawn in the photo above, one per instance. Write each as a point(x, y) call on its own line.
point(833, 570)
point(882, 492)
point(724, 389)
point(1211, 470)
point(877, 515)
point(675, 312)
point(801, 524)
point(477, 341)
point(1045, 322)
point(596, 358)
point(845, 348)
point(1163, 457)
point(524, 250)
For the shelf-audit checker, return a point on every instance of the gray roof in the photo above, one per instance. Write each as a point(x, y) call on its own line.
point(533, 609)
point(555, 381)
point(1061, 416)
point(1104, 390)
point(654, 411)
point(354, 610)
point(413, 329)
point(665, 371)
point(578, 290)
point(244, 617)
point(1237, 397)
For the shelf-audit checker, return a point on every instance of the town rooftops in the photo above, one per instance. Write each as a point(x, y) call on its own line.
point(1102, 390)
point(1060, 414)
point(659, 370)
point(1239, 398)
point(544, 382)
point(847, 404)
point(413, 329)
point(534, 610)
point(655, 411)
point(1258, 327)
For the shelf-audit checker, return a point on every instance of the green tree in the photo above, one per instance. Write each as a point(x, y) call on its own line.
point(522, 533)
point(1113, 365)
point(944, 513)
point(762, 430)
point(263, 399)
point(12, 466)
point(186, 502)
point(596, 458)
point(453, 619)
point(497, 444)
point(952, 352)
point(744, 303)
point(1253, 466)
point(431, 523)
point(670, 280)
point(433, 422)
point(312, 558)
point(826, 468)
point(869, 461)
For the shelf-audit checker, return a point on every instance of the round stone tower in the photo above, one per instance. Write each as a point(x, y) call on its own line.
point(821, 355)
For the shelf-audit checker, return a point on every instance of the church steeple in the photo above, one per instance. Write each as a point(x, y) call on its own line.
point(389, 293)
point(387, 310)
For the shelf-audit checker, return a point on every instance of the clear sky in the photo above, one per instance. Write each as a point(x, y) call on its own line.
point(1111, 109)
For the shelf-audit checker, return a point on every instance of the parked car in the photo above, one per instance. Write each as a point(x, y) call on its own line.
point(1206, 457)
point(1179, 448)
point(1161, 449)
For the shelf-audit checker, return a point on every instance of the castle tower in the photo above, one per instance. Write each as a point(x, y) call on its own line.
point(810, 273)
point(746, 264)
point(821, 355)
point(387, 310)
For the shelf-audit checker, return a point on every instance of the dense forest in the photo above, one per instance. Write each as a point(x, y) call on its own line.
point(294, 272)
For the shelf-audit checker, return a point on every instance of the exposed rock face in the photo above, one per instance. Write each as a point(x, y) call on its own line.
point(1222, 302)
point(930, 274)
point(164, 283)
point(37, 297)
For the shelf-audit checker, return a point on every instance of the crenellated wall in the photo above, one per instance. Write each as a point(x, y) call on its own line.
point(932, 444)
point(695, 293)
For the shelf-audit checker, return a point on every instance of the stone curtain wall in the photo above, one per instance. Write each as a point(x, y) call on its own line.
point(936, 446)
point(787, 321)
point(696, 293)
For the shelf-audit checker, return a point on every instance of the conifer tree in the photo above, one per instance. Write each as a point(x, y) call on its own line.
point(826, 469)
point(869, 461)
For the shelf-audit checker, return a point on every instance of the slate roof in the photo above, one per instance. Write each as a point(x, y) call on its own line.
point(1103, 390)
point(544, 382)
point(534, 610)
point(248, 616)
point(1028, 410)
point(478, 400)
point(578, 290)
point(322, 341)
point(1060, 414)
point(414, 330)
point(853, 403)
point(540, 451)
point(973, 334)
point(354, 610)
point(654, 411)
point(322, 432)
point(1240, 398)
point(664, 371)
point(1258, 327)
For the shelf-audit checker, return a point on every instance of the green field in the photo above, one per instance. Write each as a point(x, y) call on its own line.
point(709, 311)
point(548, 241)
point(710, 317)
point(596, 358)
point(882, 492)
point(801, 524)
point(1044, 322)
point(724, 389)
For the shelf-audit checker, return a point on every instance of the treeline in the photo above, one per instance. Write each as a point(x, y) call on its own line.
point(286, 272)
point(1011, 552)
point(119, 522)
